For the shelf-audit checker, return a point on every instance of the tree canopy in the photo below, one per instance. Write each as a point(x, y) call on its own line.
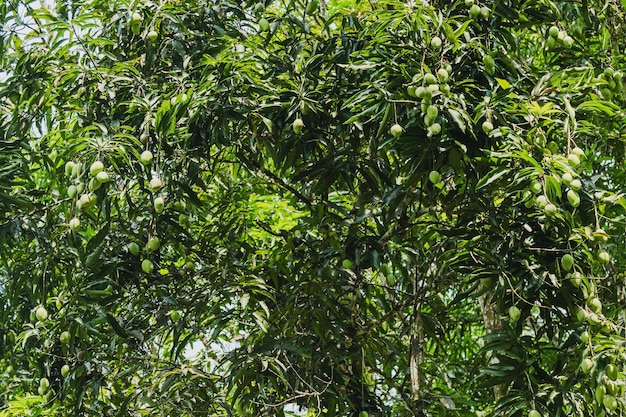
point(337, 208)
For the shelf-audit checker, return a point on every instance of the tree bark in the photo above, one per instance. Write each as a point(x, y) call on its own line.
point(492, 323)
point(416, 357)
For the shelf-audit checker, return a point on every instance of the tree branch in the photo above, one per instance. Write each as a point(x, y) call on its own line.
point(275, 179)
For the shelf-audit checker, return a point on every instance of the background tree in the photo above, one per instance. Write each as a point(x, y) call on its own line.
point(338, 209)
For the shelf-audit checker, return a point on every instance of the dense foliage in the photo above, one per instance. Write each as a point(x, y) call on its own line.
point(294, 208)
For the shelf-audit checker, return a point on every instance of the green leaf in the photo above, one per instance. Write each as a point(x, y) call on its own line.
point(504, 84)
point(605, 107)
point(116, 326)
point(492, 176)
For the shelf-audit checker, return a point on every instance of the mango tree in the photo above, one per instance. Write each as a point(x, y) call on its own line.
point(337, 208)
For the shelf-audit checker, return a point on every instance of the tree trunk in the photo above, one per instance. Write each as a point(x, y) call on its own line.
point(416, 357)
point(492, 322)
